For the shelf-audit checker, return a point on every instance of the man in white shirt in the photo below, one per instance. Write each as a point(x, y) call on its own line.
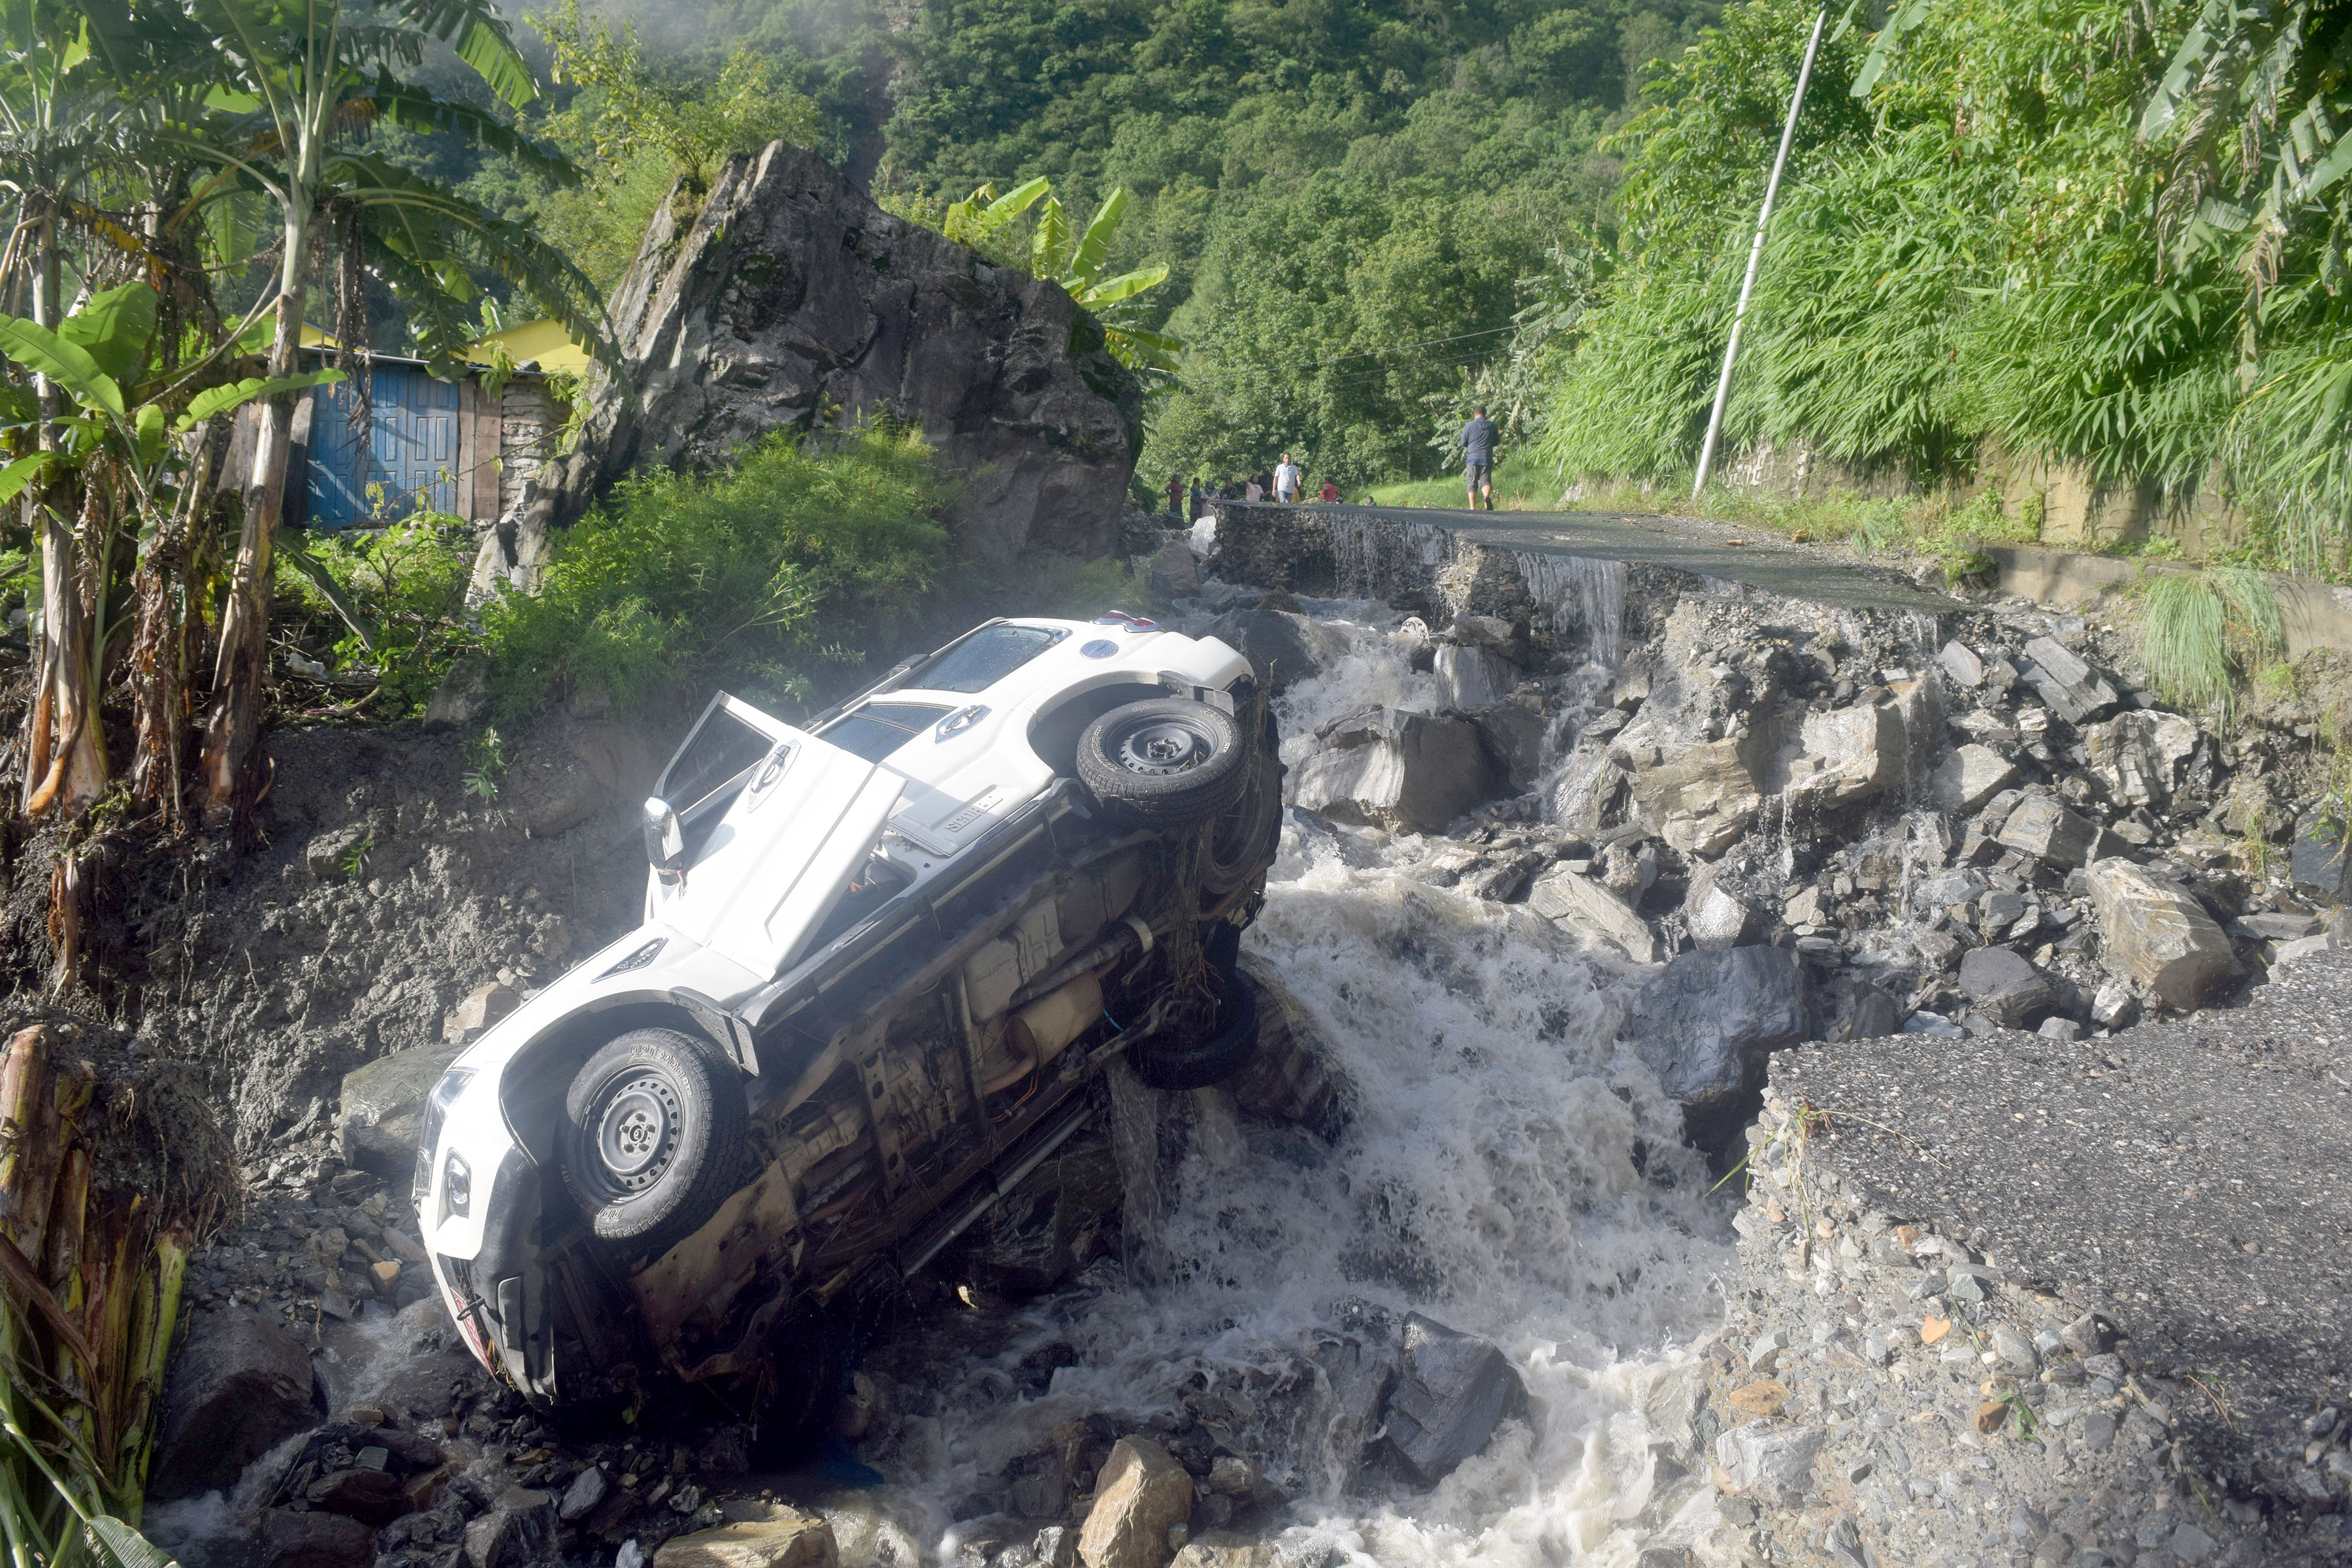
point(1286, 478)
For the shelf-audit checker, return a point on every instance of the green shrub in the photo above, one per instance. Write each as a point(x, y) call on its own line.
point(401, 592)
point(752, 579)
point(2199, 628)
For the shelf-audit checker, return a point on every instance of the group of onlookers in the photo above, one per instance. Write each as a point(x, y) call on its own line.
point(1286, 482)
point(1480, 440)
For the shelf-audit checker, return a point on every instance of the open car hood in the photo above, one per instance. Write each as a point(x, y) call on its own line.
point(786, 852)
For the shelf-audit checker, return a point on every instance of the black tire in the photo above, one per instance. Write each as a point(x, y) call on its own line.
point(1164, 1063)
point(1241, 841)
point(654, 1138)
point(1167, 760)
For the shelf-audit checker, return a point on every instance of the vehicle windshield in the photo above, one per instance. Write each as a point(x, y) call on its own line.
point(720, 748)
point(985, 658)
point(878, 728)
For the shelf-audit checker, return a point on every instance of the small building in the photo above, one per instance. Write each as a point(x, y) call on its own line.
point(463, 448)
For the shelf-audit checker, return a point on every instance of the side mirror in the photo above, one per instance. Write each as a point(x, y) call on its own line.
point(665, 843)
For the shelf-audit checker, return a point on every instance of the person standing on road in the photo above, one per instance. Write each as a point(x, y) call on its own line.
point(1252, 491)
point(1195, 514)
point(1176, 497)
point(1478, 440)
point(1286, 480)
point(1330, 493)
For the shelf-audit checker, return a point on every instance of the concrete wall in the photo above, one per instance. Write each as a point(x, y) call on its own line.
point(2315, 615)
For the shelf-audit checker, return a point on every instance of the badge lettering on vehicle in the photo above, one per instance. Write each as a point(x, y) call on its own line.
point(969, 813)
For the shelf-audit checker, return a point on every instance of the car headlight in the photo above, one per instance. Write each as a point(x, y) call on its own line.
point(456, 1187)
point(437, 1110)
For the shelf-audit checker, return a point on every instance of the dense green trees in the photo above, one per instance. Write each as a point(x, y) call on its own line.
point(2110, 234)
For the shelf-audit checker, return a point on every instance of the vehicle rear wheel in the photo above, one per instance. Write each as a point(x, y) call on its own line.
point(653, 1139)
point(1167, 760)
point(1165, 1063)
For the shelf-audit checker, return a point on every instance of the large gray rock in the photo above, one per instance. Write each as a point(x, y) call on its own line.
point(1770, 1463)
point(2076, 691)
point(789, 301)
point(2004, 986)
point(1282, 648)
point(383, 1110)
point(314, 1540)
point(2138, 755)
point(1847, 754)
point(1453, 1389)
point(1578, 903)
point(1395, 768)
point(240, 1388)
point(1475, 677)
point(1706, 1023)
point(1972, 776)
point(1514, 736)
point(517, 1530)
point(2159, 935)
point(2046, 830)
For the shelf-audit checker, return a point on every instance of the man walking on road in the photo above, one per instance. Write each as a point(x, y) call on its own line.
point(1478, 439)
point(1287, 478)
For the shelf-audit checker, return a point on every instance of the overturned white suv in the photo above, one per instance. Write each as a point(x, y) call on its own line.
point(882, 957)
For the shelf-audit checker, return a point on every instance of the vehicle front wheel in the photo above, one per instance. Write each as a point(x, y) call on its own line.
point(1166, 760)
point(654, 1138)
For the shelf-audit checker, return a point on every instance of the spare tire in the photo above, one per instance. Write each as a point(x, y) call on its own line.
point(1167, 760)
point(654, 1137)
point(1166, 1063)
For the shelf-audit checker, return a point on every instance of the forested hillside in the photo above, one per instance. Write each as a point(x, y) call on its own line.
point(1354, 201)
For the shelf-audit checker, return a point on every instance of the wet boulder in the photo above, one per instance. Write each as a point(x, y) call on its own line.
point(372, 1497)
point(1391, 767)
point(240, 1388)
point(1706, 1023)
point(1452, 1390)
point(1284, 649)
point(1513, 733)
point(383, 1112)
point(2159, 935)
point(1475, 676)
point(1575, 902)
point(1140, 1493)
point(1175, 571)
point(1698, 797)
point(314, 1540)
point(1849, 755)
point(517, 1530)
point(768, 1536)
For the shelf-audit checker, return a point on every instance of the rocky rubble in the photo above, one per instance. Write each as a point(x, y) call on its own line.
point(1962, 822)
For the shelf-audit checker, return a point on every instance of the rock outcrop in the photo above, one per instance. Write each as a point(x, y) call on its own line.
point(240, 1388)
point(789, 301)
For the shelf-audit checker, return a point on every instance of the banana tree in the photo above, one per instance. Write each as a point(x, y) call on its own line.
point(57, 124)
point(299, 84)
point(107, 471)
point(1074, 258)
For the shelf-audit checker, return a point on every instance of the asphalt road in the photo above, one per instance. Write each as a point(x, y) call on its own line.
point(2191, 1178)
point(1828, 575)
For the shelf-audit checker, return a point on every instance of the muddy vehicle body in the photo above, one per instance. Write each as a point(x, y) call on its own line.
point(883, 961)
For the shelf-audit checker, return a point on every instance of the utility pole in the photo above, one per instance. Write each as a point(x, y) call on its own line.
point(1756, 255)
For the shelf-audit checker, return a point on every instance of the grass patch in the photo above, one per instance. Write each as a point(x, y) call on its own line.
point(1521, 484)
point(2200, 630)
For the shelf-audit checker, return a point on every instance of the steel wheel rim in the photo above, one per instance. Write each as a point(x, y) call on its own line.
point(1157, 748)
point(635, 1130)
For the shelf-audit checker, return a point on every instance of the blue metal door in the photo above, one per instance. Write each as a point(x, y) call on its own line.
point(405, 461)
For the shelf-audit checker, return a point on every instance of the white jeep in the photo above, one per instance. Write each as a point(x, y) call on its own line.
point(883, 958)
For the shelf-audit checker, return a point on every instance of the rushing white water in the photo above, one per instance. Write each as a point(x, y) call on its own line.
point(1507, 1168)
